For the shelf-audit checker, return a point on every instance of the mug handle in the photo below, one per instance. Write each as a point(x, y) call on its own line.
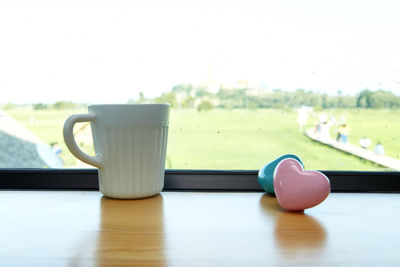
point(70, 140)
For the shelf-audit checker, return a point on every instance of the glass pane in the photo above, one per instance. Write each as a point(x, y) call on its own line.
point(248, 81)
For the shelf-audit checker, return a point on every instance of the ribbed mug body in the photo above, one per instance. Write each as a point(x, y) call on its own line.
point(133, 150)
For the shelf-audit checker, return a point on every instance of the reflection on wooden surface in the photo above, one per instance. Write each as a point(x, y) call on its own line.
point(299, 231)
point(74, 228)
point(131, 232)
point(296, 234)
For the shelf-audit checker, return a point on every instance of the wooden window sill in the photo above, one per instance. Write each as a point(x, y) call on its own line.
point(82, 228)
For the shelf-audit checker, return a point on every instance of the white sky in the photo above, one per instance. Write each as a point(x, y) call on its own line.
point(108, 51)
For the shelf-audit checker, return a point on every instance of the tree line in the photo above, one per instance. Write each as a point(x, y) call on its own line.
point(199, 97)
point(59, 105)
point(189, 96)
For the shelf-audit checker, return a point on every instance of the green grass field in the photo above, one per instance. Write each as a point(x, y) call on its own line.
point(243, 139)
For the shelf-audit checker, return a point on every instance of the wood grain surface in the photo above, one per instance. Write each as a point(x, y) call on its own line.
point(76, 228)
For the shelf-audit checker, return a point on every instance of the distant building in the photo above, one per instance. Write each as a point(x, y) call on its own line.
point(20, 148)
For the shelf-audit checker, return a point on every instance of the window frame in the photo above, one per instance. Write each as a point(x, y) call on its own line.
point(191, 180)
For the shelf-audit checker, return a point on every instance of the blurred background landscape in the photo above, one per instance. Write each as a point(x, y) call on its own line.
point(242, 128)
point(247, 80)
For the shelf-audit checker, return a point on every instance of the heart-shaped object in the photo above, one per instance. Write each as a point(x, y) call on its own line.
point(296, 189)
point(266, 173)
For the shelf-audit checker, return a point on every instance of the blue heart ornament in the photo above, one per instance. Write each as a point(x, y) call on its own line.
point(266, 173)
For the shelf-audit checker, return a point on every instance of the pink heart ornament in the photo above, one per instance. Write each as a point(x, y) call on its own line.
point(296, 189)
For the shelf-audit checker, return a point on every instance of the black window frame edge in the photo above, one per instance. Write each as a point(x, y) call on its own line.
point(191, 180)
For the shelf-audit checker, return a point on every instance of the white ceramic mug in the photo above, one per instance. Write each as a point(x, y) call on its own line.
point(130, 143)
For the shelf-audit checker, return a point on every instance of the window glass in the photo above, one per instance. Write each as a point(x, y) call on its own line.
point(247, 81)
